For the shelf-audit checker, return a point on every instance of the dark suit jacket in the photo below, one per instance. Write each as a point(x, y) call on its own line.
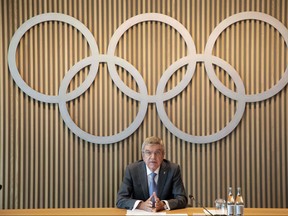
point(135, 185)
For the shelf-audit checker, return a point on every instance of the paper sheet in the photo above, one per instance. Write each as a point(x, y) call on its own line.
point(216, 212)
point(142, 212)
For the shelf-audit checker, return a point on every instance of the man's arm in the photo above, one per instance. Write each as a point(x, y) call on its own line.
point(180, 198)
point(124, 197)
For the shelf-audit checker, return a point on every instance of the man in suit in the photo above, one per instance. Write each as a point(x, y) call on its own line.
point(152, 184)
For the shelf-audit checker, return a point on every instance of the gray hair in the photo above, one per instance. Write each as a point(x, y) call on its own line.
point(153, 140)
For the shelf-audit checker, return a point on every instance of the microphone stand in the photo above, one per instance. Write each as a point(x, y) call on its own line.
point(199, 204)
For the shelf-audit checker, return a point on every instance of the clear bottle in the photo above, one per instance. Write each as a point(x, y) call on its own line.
point(239, 203)
point(230, 202)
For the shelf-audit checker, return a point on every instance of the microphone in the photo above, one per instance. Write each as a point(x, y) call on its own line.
point(199, 204)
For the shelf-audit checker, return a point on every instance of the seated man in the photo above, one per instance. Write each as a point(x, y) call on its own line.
point(152, 184)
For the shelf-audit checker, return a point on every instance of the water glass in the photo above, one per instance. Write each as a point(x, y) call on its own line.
point(220, 206)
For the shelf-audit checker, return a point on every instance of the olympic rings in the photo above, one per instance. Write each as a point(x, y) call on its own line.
point(142, 96)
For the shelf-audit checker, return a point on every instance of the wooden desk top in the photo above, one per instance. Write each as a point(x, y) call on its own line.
point(116, 211)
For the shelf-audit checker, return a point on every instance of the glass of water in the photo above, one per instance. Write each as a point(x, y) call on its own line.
point(220, 206)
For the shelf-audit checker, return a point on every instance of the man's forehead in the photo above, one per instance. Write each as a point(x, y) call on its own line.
point(153, 146)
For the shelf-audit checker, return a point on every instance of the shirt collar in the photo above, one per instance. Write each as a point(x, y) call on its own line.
point(149, 171)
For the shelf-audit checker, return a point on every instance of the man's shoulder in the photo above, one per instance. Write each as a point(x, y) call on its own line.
point(136, 164)
point(169, 164)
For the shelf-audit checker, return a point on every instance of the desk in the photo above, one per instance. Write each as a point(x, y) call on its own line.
point(116, 211)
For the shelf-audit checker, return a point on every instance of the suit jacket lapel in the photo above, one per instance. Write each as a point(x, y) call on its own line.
point(142, 173)
point(162, 178)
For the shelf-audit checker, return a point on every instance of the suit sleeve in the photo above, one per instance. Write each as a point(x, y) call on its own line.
point(124, 197)
point(180, 198)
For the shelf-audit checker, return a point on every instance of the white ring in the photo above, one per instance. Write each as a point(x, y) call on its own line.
point(29, 24)
point(231, 20)
point(83, 134)
point(228, 128)
point(159, 18)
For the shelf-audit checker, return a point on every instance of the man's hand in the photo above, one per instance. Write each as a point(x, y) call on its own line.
point(159, 205)
point(147, 205)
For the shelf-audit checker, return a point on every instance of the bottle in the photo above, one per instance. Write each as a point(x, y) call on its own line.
point(230, 202)
point(239, 203)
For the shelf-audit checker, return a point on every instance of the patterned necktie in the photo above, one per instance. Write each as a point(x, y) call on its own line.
point(152, 187)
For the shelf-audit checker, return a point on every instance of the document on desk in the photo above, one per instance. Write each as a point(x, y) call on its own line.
point(142, 212)
point(179, 214)
point(215, 212)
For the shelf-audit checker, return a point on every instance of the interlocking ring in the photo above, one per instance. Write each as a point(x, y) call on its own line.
point(142, 96)
point(220, 28)
point(14, 44)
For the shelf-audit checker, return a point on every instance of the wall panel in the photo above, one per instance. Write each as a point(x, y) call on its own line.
point(44, 165)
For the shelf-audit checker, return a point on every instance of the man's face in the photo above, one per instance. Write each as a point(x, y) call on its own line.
point(153, 156)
